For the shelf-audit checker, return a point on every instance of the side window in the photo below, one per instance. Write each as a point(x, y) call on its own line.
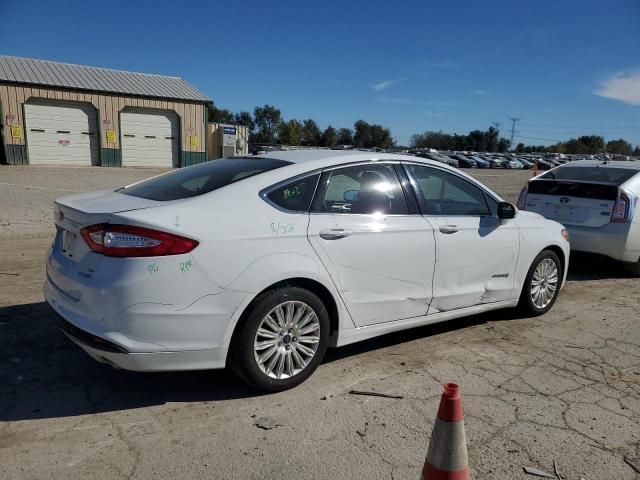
point(295, 196)
point(443, 193)
point(363, 189)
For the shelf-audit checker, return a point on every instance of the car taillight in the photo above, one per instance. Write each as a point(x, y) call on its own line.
point(623, 209)
point(522, 198)
point(132, 241)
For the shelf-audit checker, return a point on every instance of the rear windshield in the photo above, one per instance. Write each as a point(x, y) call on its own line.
point(599, 191)
point(202, 178)
point(597, 174)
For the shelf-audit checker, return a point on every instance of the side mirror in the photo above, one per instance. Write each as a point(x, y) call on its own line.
point(350, 195)
point(506, 211)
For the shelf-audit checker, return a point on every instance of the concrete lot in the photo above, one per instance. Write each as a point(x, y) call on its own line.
point(563, 387)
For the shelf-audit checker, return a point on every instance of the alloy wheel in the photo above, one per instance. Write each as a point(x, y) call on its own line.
point(287, 339)
point(544, 283)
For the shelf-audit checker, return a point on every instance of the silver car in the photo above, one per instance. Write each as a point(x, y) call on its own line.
point(598, 204)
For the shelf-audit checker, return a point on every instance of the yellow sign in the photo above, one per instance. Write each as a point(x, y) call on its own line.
point(111, 136)
point(16, 131)
point(193, 140)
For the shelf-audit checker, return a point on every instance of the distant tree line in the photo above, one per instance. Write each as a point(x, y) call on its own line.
point(267, 127)
point(586, 144)
point(476, 140)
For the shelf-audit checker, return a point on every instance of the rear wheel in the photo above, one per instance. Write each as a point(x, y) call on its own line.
point(542, 284)
point(282, 340)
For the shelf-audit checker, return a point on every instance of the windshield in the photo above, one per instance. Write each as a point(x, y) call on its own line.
point(202, 178)
point(597, 174)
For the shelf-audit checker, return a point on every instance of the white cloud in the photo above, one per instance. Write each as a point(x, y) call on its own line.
point(622, 86)
point(385, 84)
point(481, 92)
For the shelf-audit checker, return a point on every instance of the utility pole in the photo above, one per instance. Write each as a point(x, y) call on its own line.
point(513, 128)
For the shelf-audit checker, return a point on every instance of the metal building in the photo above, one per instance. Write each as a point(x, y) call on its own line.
point(62, 114)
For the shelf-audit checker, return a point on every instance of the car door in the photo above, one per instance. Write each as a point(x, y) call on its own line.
point(476, 251)
point(380, 256)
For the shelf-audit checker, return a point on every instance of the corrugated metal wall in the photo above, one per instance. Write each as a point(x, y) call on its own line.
point(192, 115)
point(214, 140)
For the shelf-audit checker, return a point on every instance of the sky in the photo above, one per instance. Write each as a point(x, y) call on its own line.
point(564, 68)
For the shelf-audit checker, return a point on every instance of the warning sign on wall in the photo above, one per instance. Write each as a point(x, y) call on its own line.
point(193, 141)
point(16, 131)
point(111, 136)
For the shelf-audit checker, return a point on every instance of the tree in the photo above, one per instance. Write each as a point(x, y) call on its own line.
point(380, 137)
point(371, 136)
point(345, 137)
point(520, 148)
point(290, 133)
point(329, 137)
point(492, 137)
point(636, 152)
point(245, 118)
point(220, 116)
point(266, 118)
point(620, 147)
point(310, 133)
point(361, 136)
point(503, 145)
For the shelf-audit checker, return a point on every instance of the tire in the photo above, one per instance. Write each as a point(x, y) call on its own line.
point(530, 304)
point(293, 363)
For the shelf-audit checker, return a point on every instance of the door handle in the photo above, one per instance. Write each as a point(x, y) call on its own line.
point(334, 233)
point(448, 229)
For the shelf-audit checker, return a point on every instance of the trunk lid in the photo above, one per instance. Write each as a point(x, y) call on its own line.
point(74, 212)
point(71, 264)
point(585, 204)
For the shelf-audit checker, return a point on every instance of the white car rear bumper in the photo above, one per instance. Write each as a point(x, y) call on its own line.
point(610, 240)
point(192, 351)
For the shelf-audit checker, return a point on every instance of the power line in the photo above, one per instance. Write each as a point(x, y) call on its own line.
point(621, 127)
point(538, 138)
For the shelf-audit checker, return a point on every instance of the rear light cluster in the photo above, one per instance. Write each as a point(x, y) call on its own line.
point(624, 207)
point(132, 241)
point(522, 198)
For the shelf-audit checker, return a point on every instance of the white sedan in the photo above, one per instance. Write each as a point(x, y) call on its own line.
point(261, 263)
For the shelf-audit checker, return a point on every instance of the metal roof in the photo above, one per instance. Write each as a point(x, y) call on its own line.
point(82, 77)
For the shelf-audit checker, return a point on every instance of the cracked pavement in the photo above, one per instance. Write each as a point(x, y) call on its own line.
point(563, 387)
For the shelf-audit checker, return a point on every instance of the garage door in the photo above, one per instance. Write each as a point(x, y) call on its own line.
point(61, 133)
point(149, 139)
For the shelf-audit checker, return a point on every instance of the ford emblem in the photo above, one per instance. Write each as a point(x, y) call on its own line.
point(564, 200)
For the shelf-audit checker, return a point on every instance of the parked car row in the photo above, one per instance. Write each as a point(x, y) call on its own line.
point(499, 160)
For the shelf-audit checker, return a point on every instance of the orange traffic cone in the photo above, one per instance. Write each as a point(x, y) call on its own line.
point(447, 455)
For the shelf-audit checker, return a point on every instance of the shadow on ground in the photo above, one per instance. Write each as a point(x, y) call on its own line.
point(585, 266)
point(44, 375)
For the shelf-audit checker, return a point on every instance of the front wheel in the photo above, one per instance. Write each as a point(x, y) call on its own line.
point(542, 284)
point(282, 340)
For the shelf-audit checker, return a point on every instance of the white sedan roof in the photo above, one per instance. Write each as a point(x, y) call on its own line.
point(302, 156)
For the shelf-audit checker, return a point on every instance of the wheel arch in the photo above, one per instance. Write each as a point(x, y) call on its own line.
point(314, 286)
point(560, 253)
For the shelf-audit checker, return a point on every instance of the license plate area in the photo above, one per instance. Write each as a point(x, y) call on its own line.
point(69, 242)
